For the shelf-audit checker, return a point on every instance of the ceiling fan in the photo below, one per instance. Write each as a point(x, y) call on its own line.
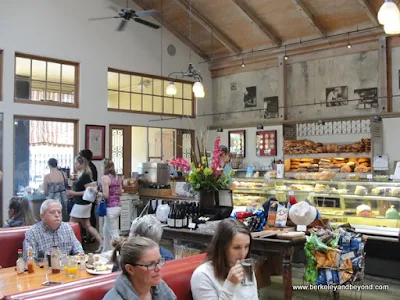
point(127, 14)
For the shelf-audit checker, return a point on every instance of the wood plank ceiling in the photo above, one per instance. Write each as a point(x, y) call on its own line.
point(231, 27)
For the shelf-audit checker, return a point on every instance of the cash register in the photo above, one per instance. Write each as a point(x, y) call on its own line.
point(222, 206)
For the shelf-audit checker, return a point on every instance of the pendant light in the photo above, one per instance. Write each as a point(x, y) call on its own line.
point(388, 13)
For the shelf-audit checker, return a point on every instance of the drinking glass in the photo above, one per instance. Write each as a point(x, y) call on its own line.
point(72, 267)
point(248, 266)
point(64, 263)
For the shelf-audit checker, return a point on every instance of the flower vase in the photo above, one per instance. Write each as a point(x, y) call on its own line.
point(206, 199)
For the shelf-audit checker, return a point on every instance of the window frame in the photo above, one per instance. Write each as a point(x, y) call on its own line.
point(193, 100)
point(29, 118)
point(47, 60)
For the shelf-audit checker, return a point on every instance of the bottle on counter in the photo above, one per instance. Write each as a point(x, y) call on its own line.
point(30, 261)
point(178, 217)
point(170, 220)
point(55, 260)
point(20, 263)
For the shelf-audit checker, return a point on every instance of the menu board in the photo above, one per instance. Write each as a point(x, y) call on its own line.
point(266, 143)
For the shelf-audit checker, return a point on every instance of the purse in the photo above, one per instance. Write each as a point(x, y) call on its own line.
point(89, 195)
point(101, 209)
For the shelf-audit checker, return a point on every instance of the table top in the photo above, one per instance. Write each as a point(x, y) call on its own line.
point(11, 283)
point(261, 244)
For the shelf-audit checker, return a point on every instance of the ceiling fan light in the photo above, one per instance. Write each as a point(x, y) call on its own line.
point(198, 87)
point(171, 89)
point(392, 27)
point(388, 12)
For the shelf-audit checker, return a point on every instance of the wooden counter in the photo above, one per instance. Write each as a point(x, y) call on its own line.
point(11, 283)
point(261, 245)
point(167, 197)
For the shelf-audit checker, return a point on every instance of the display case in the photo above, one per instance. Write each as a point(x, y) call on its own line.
point(372, 207)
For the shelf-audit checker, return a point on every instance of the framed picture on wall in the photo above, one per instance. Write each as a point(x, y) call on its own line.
point(95, 140)
point(237, 142)
point(266, 143)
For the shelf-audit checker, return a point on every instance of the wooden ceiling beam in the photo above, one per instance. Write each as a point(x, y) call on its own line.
point(175, 32)
point(231, 46)
point(252, 16)
point(309, 16)
point(370, 12)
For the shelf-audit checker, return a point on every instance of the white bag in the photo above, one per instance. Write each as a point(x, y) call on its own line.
point(89, 194)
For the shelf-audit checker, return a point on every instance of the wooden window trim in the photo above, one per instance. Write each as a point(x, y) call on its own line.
point(53, 60)
point(193, 100)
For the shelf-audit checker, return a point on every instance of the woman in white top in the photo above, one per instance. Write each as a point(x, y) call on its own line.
point(221, 275)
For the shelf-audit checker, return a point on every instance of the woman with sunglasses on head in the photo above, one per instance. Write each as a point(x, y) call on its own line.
point(141, 263)
point(20, 213)
point(221, 275)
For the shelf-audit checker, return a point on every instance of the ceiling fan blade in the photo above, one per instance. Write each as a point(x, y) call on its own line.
point(122, 25)
point(146, 13)
point(147, 23)
point(103, 18)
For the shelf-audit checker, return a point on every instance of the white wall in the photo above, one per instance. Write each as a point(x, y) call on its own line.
point(251, 158)
point(60, 29)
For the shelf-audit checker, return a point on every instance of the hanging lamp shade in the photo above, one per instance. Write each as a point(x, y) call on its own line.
point(171, 89)
point(200, 94)
point(388, 13)
point(198, 87)
point(392, 27)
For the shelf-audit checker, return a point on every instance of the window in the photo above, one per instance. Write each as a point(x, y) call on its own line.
point(146, 94)
point(37, 140)
point(46, 81)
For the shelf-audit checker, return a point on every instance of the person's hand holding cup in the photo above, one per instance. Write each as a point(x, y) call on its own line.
point(236, 273)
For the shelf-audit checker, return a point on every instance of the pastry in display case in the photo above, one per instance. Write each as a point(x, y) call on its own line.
point(369, 206)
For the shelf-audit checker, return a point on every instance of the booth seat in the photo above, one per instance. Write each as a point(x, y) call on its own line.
point(176, 273)
point(11, 240)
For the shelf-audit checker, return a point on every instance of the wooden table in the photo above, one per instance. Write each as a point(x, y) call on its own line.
point(262, 245)
point(11, 283)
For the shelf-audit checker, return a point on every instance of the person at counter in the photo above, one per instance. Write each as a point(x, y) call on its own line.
point(225, 159)
point(51, 231)
point(141, 263)
point(80, 212)
point(220, 276)
point(20, 213)
point(112, 189)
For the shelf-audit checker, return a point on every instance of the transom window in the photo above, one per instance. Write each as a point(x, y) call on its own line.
point(147, 94)
point(46, 81)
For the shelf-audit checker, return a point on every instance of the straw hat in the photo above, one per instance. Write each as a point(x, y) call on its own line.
point(302, 213)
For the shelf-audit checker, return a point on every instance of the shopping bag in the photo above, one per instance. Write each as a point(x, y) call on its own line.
point(89, 194)
point(101, 209)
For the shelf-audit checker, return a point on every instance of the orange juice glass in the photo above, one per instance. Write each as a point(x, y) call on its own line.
point(72, 267)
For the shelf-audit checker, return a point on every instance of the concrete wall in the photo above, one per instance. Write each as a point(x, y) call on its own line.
point(60, 29)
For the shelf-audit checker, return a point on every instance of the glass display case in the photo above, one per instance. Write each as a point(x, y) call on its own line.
point(372, 207)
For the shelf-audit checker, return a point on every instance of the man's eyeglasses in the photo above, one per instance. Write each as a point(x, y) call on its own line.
point(151, 267)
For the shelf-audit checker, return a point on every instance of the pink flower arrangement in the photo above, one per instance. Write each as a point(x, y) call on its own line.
point(216, 163)
point(180, 163)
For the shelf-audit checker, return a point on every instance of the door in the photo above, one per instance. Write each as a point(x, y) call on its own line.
point(185, 144)
point(120, 149)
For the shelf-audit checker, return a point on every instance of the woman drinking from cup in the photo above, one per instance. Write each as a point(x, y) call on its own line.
point(227, 272)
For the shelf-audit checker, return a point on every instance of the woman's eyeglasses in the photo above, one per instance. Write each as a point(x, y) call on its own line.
point(151, 267)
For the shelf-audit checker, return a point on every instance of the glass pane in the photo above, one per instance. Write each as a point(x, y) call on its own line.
point(187, 91)
point(136, 102)
point(53, 72)
point(157, 104)
point(112, 81)
point(178, 86)
point(67, 93)
point(53, 91)
point(136, 84)
point(187, 146)
point(124, 100)
point(23, 66)
point(177, 106)
point(154, 143)
point(168, 105)
point(124, 82)
point(38, 90)
point(68, 74)
point(38, 70)
point(112, 99)
point(187, 108)
point(34, 143)
point(147, 103)
point(168, 144)
point(117, 150)
point(147, 85)
point(158, 87)
point(139, 146)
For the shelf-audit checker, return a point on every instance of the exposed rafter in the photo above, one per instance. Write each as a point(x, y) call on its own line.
point(180, 36)
point(208, 26)
point(252, 16)
point(309, 16)
point(372, 15)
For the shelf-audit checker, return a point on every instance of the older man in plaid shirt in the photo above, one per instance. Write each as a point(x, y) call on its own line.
point(51, 231)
